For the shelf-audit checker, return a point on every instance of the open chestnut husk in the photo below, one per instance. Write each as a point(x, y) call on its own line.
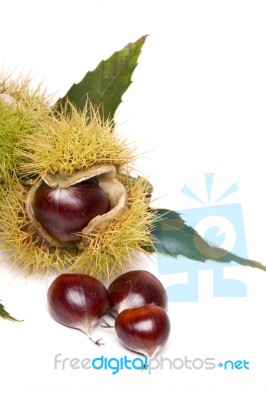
point(64, 208)
point(68, 156)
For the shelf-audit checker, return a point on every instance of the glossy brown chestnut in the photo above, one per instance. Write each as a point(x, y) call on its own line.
point(78, 301)
point(135, 289)
point(144, 329)
point(62, 212)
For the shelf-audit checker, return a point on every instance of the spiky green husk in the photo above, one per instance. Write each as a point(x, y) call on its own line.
point(35, 101)
point(71, 144)
point(16, 119)
point(107, 252)
point(35, 143)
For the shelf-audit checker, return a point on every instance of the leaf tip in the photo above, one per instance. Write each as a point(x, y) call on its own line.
point(141, 40)
point(4, 314)
point(144, 37)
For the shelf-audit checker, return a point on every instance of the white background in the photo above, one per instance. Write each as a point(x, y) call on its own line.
point(197, 105)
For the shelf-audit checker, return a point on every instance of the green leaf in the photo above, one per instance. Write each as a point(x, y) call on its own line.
point(104, 86)
point(4, 314)
point(173, 237)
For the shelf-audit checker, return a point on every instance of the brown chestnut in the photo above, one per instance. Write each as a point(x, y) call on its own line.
point(62, 212)
point(135, 289)
point(144, 329)
point(78, 301)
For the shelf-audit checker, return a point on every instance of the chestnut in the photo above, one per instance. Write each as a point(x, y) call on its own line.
point(63, 212)
point(78, 301)
point(143, 329)
point(135, 289)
